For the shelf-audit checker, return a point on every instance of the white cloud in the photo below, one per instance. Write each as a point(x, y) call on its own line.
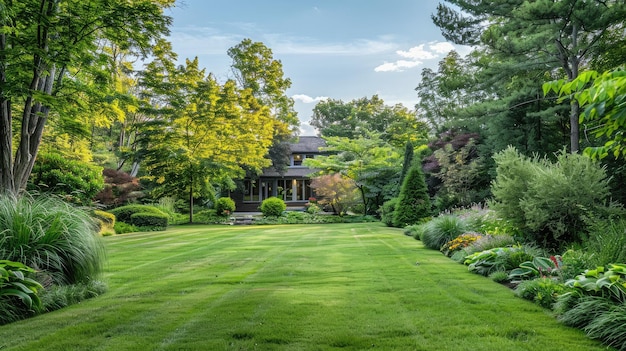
point(397, 66)
point(417, 53)
point(415, 56)
point(307, 99)
point(441, 47)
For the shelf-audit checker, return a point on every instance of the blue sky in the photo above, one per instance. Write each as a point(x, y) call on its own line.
point(339, 49)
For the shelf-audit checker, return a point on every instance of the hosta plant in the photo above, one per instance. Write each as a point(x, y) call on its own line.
point(488, 261)
point(18, 293)
point(609, 283)
point(538, 267)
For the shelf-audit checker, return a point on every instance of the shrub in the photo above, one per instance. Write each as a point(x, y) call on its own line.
point(224, 206)
point(125, 214)
point(413, 202)
point(149, 220)
point(18, 292)
point(53, 237)
point(549, 201)
point(209, 216)
point(415, 230)
point(106, 222)
point(575, 262)
point(273, 207)
point(542, 291)
point(123, 228)
point(313, 208)
point(119, 188)
point(386, 211)
point(442, 229)
point(76, 181)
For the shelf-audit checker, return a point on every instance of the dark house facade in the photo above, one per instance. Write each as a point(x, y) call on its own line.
point(294, 187)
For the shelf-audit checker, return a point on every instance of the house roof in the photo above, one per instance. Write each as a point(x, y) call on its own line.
point(308, 144)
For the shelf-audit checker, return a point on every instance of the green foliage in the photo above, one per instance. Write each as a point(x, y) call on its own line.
point(496, 259)
point(461, 174)
point(598, 316)
point(415, 231)
point(59, 66)
point(149, 220)
point(538, 267)
point(607, 282)
point(354, 119)
point(607, 242)
point(487, 242)
point(224, 206)
point(297, 217)
point(371, 164)
point(602, 96)
point(413, 202)
point(575, 262)
point(542, 291)
point(499, 276)
point(548, 201)
point(273, 207)
point(386, 211)
point(123, 228)
point(18, 292)
point(76, 181)
point(313, 208)
point(60, 296)
point(125, 213)
point(55, 238)
point(442, 229)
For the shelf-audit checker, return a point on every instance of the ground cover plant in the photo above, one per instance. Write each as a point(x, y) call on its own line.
point(296, 287)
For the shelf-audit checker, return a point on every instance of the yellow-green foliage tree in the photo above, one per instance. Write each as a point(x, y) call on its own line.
point(201, 132)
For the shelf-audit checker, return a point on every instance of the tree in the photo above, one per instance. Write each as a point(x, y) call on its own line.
point(42, 43)
point(336, 191)
point(371, 163)
point(408, 160)
point(572, 29)
point(603, 96)
point(256, 69)
point(413, 202)
point(395, 124)
point(203, 133)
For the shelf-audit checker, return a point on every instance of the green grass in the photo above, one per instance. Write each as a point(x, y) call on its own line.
point(295, 287)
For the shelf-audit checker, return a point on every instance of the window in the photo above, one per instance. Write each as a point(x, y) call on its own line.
point(297, 159)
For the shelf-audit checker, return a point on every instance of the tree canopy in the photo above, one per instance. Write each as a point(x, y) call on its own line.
point(45, 42)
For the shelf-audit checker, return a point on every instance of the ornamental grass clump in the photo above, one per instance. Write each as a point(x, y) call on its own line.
point(54, 238)
point(442, 229)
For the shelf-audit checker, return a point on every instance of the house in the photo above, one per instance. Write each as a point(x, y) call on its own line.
point(294, 187)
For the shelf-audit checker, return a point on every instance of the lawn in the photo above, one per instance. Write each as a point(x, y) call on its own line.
point(291, 287)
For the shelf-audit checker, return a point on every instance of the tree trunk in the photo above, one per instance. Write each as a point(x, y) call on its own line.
point(6, 135)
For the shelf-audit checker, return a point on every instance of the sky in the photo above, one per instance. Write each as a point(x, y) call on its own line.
point(338, 49)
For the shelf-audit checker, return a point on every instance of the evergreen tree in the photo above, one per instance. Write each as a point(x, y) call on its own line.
point(413, 202)
point(408, 158)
